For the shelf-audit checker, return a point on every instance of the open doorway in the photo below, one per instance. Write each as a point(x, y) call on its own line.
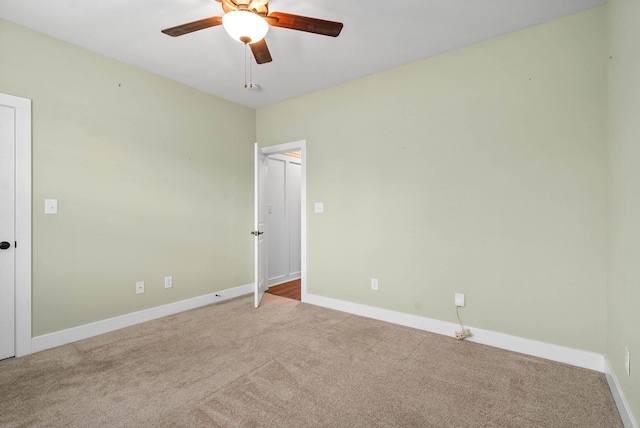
point(283, 218)
point(285, 195)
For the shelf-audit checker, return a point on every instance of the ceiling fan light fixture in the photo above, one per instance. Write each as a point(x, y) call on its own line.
point(245, 26)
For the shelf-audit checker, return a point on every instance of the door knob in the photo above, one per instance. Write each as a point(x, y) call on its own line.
point(4, 245)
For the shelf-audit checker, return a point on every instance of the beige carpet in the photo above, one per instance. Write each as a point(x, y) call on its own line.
point(289, 364)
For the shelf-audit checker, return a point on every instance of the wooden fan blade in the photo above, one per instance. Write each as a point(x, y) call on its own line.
point(261, 52)
point(304, 23)
point(193, 26)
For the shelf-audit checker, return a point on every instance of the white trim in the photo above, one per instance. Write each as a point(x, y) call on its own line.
point(22, 108)
point(302, 146)
point(285, 147)
point(575, 357)
point(621, 402)
point(284, 281)
point(74, 334)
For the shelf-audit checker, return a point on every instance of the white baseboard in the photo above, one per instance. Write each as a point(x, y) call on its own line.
point(47, 341)
point(621, 402)
point(575, 357)
point(580, 358)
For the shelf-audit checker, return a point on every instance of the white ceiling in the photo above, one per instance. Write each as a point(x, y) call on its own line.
point(377, 35)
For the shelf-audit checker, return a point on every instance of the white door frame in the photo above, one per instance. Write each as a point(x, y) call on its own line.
point(22, 107)
point(287, 147)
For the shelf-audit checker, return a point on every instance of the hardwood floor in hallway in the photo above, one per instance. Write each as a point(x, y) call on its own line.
point(290, 290)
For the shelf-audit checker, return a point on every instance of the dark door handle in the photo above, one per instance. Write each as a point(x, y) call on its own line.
point(4, 245)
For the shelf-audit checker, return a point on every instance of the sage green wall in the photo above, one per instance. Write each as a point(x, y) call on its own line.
point(480, 171)
point(153, 179)
point(623, 316)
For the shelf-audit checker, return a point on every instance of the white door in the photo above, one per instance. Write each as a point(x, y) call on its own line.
point(7, 232)
point(259, 230)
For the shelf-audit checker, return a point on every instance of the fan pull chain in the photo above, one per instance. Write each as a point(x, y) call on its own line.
point(250, 71)
point(247, 65)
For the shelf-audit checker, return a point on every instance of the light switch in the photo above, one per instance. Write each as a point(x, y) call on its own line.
point(319, 208)
point(51, 206)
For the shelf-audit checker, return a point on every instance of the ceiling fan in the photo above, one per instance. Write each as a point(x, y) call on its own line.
point(248, 22)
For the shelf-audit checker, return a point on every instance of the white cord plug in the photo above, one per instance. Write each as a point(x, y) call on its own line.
point(464, 332)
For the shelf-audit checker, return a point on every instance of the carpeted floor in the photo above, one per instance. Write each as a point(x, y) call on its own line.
point(289, 364)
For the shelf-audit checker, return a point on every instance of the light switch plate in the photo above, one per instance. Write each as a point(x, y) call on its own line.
point(319, 208)
point(51, 206)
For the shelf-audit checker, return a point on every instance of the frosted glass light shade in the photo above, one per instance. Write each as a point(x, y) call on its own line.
point(245, 26)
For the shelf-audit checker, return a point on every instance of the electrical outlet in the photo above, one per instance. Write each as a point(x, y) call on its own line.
point(458, 299)
point(168, 281)
point(51, 206)
point(374, 284)
point(627, 361)
point(139, 287)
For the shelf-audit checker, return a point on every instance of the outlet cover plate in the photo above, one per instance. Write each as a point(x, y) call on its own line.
point(168, 281)
point(139, 287)
point(51, 206)
point(374, 284)
point(459, 299)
